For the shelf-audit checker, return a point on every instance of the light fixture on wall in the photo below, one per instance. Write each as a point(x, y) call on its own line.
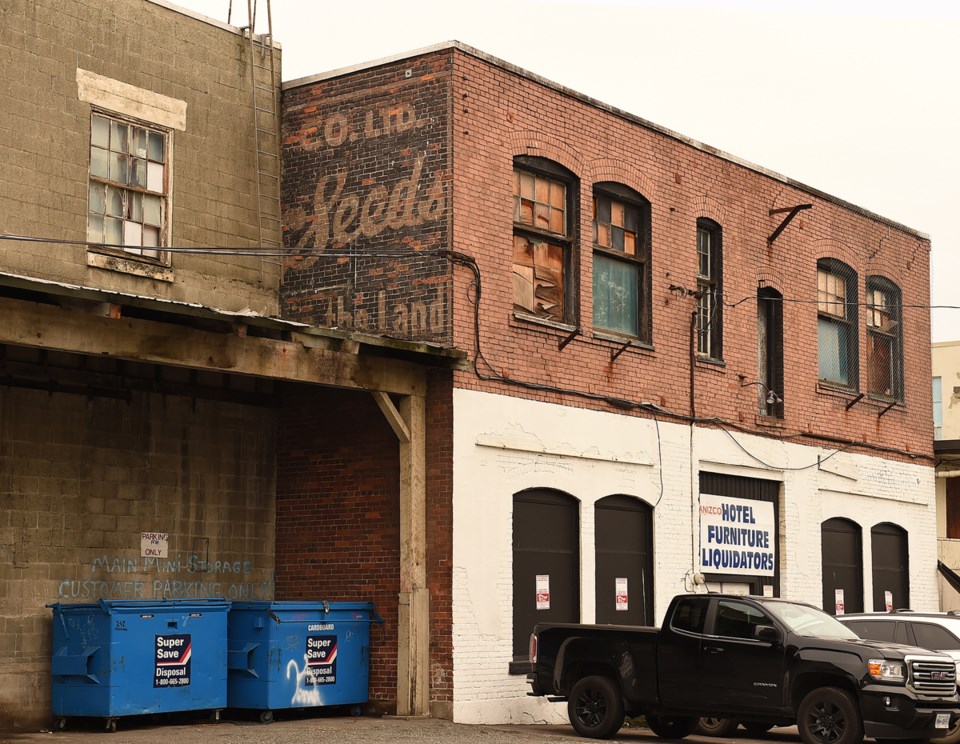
point(772, 397)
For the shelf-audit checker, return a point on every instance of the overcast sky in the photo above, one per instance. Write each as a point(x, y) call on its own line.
point(855, 98)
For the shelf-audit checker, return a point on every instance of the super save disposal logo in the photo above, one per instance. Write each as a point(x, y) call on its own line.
point(172, 660)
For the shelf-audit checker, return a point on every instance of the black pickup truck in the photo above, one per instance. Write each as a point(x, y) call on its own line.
point(763, 661)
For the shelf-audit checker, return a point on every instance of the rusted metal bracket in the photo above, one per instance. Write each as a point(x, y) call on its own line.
point(854, 402)
point(564, 341)
point(891, 405)
point(617, 352)
point(786, 220)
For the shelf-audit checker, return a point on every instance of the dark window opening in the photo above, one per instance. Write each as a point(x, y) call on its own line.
point(709, 289)
point(770, 352)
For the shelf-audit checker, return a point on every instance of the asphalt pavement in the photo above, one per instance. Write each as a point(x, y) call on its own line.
point(341, 730)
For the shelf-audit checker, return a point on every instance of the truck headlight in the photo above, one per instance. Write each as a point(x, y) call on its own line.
point(886, 671)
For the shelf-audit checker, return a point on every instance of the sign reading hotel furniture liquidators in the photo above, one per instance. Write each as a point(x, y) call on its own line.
point(737, 536)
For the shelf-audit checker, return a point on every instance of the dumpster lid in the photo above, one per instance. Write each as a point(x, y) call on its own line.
point(115, 606)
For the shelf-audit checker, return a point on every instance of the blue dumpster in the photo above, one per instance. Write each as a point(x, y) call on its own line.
point(118, 658)
point(298, 655)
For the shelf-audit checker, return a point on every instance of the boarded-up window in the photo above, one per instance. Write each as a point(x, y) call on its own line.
point(541, 245)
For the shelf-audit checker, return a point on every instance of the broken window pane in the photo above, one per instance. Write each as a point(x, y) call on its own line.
point(138, 172)
point(155, 147)
point(118, 136)
point(135, 206)
point(114, 201)
point(138, 142)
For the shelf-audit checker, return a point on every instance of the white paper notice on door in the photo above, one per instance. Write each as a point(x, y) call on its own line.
point(543, 591)
point(623, 600)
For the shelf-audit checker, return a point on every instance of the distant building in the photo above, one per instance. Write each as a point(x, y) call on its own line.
point(685, 371)
point(946, 446)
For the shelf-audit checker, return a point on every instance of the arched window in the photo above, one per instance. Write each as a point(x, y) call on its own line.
point(709, 289)
point(884, 339)
point(621, 261)
point(546, 562)
point(544, 224)
point(837, 323)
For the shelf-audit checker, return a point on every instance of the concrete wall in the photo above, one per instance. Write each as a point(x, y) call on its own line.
point(191, 78)
point(82, 476)
point(503, 445)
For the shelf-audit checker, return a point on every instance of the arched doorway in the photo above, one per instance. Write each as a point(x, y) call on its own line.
point(546, 562)
point(624, 553)
point(841, 550)
point(891, 566)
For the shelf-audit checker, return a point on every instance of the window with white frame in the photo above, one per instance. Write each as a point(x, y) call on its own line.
point(127, 205)
point(937, 408)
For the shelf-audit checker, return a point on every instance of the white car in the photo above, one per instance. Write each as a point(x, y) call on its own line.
point(937, 631)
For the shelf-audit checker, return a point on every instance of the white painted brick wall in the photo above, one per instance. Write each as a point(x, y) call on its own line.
point(503, 445)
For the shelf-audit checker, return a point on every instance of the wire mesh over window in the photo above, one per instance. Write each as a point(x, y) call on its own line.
point(620, 259)
point(541, 245)
point(837, 323)
point(884, 339)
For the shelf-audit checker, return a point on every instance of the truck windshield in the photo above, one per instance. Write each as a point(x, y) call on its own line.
point(809, 621)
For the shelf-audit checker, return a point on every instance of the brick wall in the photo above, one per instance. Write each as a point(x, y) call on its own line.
point(500, 114)
point(82, 476)
point(338, 518)
point(366, 169)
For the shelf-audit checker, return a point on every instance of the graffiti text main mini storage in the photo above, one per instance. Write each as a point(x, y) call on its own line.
point(298, 654)
point(124, 658)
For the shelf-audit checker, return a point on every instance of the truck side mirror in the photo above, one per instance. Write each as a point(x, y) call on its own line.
point(767, 633)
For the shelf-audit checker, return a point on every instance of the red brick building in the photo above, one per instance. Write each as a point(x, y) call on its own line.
point(657, 332)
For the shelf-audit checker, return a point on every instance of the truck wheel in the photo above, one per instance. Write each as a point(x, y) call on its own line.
point(708, 726)
point(671, 727)
point(595, 707)
point(829, 715)
point(951, 737)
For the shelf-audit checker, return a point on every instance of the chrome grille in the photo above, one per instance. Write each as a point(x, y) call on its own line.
point(930, 675)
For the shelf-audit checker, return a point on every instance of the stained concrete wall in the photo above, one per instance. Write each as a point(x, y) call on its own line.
point(81, 477)
point(155, 62)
